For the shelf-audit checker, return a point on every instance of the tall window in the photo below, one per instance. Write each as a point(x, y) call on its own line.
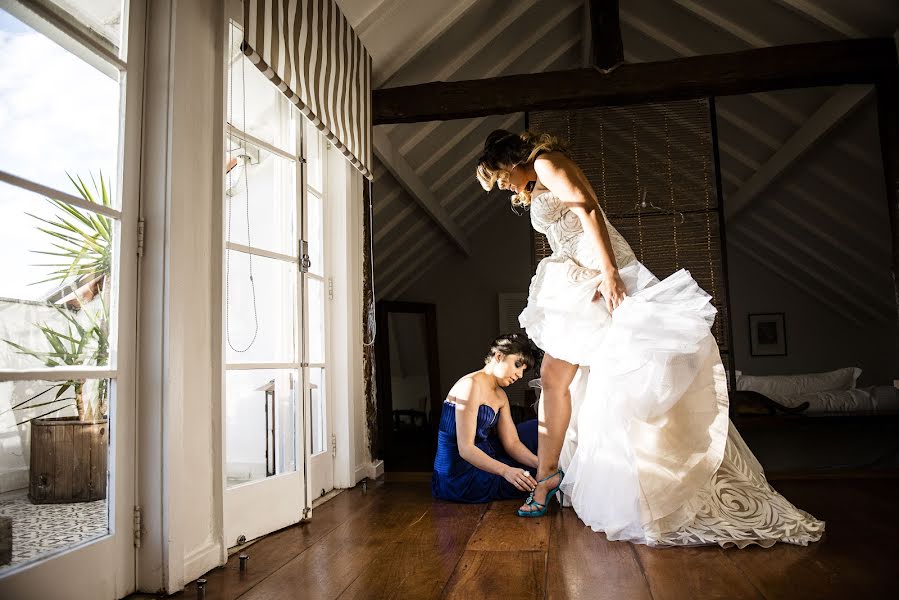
point(275, 282)
point(62, 201)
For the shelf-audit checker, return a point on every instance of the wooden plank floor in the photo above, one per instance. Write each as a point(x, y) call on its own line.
point(395, 541)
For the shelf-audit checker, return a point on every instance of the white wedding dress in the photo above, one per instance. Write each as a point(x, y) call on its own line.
point(650, 455)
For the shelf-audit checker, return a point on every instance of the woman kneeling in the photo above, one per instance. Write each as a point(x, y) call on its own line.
point(481, 454)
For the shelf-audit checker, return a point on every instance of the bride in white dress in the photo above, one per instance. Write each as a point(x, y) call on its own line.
point(634, 409)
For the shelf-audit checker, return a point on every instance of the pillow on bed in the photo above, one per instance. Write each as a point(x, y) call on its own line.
point(780, 387)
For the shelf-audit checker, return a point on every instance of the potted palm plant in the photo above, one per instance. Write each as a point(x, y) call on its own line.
point(69, 453)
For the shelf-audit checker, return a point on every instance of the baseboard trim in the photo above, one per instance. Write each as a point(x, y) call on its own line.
point(202, 560)
point(371, 470)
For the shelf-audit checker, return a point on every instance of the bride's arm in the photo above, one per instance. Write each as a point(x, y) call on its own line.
point(559, 174)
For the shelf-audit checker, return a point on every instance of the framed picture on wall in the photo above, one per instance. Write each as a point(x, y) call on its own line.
point(767, 335)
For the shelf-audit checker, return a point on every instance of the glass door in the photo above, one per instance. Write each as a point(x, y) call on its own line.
point(263, 376)
point(69, 180)
point(317, 291)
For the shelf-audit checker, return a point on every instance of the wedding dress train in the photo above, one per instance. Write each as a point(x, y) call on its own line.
point(650, 455)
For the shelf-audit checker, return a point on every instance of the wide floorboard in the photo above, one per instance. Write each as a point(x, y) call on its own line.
point(395, 541)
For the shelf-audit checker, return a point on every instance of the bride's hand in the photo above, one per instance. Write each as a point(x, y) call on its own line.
point(613, 290)
point(520, 478)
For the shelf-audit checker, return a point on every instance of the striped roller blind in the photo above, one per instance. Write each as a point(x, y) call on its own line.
point(308, 49)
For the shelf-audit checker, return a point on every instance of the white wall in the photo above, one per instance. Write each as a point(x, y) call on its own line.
point(815, 245)
point(179, 466)
point(818, 338)
point(465, 290)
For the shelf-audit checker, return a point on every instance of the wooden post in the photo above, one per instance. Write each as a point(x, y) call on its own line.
point(604, 46)
point(722, 236)
point(888, 120)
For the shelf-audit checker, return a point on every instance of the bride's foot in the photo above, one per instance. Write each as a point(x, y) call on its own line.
point(536, 504)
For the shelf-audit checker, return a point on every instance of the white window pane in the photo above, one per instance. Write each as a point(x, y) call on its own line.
point(254, 105)
point(54, 457)
point(47, 134)
point(315, 331)
point(260, 424)
point(318, 410)
point(269, 182)
point(315, 226)
point(57, 288)
point(313, 155)
point(104, 17)
point(260, 312)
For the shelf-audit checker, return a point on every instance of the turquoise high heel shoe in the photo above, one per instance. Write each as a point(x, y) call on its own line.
point(541, 506)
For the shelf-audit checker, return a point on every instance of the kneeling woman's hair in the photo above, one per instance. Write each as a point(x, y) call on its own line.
point(514, 343)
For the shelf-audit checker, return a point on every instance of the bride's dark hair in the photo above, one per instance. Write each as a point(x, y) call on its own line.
point(504, 148)
point(514, 343)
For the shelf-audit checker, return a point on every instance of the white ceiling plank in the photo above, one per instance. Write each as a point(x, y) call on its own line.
point(821, 17)
point(445, 71)
point(383, 201)
point(822, 205)
point(804, 285)
point(837, 108)
point(377, 13)
point(387, 227)
point(496, 68)
point(739, 155)
point(409, 53)
point(723, 23)
point(761, 237)
point(406, 177)
point(654, 33)
point(508, 122)
point(385, 252)
point(862, 260)
point(780, 107)
point(467, 157)
point(740, 123)
point(415, 271)
point(796, 245)
point(731, 178)
point(416, 265)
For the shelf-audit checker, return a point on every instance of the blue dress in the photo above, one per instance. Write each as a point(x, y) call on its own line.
point(457, 479)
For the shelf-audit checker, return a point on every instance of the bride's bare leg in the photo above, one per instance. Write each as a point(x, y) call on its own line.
point(555, 376)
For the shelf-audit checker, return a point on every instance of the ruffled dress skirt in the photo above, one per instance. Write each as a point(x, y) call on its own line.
point(650, 455)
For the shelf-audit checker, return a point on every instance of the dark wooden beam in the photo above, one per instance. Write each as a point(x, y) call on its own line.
point(749, 71)
point(888, 120)
point(606, 49)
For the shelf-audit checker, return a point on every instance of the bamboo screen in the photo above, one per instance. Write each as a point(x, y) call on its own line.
point(664, 150)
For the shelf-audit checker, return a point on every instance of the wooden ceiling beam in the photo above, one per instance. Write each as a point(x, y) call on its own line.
point(745, 72)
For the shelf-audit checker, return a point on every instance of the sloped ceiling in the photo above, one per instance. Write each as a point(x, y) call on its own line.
point(427, 202)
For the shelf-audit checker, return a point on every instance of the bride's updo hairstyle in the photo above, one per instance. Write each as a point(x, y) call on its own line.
point(503, 147)
point(514, 343)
